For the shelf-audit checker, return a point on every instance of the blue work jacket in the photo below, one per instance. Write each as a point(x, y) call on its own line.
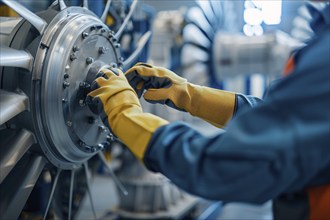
point(271, 147)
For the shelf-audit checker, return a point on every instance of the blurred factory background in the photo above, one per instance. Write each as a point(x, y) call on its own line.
point(234, 45)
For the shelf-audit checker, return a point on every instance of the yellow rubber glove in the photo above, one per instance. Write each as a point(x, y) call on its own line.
point(124, 112)
point(165, 87)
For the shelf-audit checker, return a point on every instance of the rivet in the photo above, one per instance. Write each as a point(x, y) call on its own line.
point(73, 57)
point(103, 129)
point(102, 50)
point(84, 34)
point(84, 85)
point(64, 100)
point(66, 84)
point(82, 144)
point(110, 138)
point(69, 123)
point(100, 146)
point(117, 45)
point(114, 65)
point(103, 30)
point(67, 67)
point(66, 75)
point(75, 48)
point(89, 60)
point(82, 103)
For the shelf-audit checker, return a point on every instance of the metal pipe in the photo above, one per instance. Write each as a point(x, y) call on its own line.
point(126, 20)
point(105, 12)
point(52, 193)
point(140, 45)
point(39, 23)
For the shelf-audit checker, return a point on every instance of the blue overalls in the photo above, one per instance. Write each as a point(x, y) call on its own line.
point(275, 148)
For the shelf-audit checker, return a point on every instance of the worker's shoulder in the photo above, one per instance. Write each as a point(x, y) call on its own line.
point(311, 74)
point(316, 55)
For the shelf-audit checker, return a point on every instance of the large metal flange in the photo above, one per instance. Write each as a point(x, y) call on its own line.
point(74, 44)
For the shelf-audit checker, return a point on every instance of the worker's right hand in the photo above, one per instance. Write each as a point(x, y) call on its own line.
point(161, 85)
point(165, 87)
point(113, 97)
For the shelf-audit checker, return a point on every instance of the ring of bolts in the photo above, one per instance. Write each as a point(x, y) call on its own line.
point(85, 86)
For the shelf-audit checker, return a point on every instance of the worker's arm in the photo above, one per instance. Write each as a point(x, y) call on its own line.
point(165, 87)
point(244, 102)
point(279, 146)
point(117, 103)
point(264, 152)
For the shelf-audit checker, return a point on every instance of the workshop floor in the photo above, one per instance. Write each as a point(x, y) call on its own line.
point(105, 199)
point(105, 196)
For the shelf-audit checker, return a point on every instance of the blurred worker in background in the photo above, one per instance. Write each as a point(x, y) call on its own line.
point(277, 148)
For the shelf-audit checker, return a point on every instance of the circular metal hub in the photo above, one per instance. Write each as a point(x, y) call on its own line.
point(75, 44)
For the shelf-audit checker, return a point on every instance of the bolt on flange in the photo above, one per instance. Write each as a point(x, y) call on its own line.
point(73, 57)
point(89, 60)
point(75, 48)
point(102, 50)
point(84, 34)
point(66, 84)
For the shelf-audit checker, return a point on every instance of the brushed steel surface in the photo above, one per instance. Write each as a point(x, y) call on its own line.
point(11, 104)
point(12, 151)
point(15, 58)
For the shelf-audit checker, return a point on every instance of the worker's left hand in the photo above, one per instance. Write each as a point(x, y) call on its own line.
point(165, 87)
point(111, 90)
point(121, 105)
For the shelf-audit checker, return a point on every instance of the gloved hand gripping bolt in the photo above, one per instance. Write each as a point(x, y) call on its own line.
point(96, 107)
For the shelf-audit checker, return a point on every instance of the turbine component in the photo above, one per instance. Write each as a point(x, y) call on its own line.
point(214, 50)
point(127, 19)
point(105, 11)
point(59, 85)
point(16, 188)
point(11, 105)
point(85, 4)
point(140, 45)
point(35, 20)
point(62, 4)
point(15, 58)
point(17, 147)
point(204, 23)
point(47, 63)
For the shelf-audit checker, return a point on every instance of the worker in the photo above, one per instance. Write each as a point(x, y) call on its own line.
point(277, 148)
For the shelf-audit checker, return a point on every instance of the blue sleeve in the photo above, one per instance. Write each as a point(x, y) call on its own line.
point(245, 102)
point(279, 146)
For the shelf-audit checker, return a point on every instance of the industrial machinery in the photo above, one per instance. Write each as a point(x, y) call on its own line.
point(204, 45)
point(48, 61)
point(221, 53)
point(47, 132)
point(205, 22)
